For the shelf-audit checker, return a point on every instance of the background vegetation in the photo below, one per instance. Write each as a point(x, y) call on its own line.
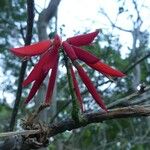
point(132, 133)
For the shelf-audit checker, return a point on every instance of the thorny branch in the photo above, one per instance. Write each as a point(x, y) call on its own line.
point(69, 124)
point(125, 112)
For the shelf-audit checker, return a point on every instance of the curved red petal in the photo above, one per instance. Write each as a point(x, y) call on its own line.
point(69, 51)
point(32, 50)
point(82, 40)
point(85, 55)
point(36, 86)
point(45, 63)
point(105, 69)
point(51, 83)
point(75, 83)
point(52, 59)
point(90, 87)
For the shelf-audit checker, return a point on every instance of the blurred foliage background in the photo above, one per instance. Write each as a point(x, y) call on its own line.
point(119, 134)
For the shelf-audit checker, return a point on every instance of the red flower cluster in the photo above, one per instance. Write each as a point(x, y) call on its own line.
point(49, 51)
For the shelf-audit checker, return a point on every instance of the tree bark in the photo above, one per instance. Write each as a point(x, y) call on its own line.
point(134, 56)
point(17, 142)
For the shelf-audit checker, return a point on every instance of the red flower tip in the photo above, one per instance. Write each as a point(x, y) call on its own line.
point(77, 91)
point(36, 86)
point(90, 87)
point(32, 50)
point(69, 50)
point(85, 55)
point(82, 40)
point(106, 70)
point(51, 83)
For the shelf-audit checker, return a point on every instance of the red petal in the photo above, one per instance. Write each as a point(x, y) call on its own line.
point(51, 83)
point(69, 50)
point(52, 59)
point(75, 83)
point(36, 86)
point(105, 69)
point(90, 87)
point(82, 40)
point(85, 55)
point(32, 50)
point(46, 62)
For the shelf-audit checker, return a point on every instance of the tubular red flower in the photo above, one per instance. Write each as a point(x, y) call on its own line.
point(51, 83)
point(49, 60)
point(69, 50)
point(82, 40)
point(85, 55)
point(86, 80)
point(105, 69)
point(52, 60)
point(46, 62)
point(36, 86)
point(32, 50)
point(77, 91)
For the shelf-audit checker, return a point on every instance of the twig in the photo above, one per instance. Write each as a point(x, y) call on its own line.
point(30, 13)
point(17, 133)
point(113, 24)
point(125, 101)
point(22, 32)
point(125, 112)
point(32, 117)
point(69, 124)
point(137, 62)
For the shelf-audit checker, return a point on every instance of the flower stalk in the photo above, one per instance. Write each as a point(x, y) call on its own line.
point(75, 105)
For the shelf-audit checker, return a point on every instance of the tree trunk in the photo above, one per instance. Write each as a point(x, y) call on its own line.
point(134, 57)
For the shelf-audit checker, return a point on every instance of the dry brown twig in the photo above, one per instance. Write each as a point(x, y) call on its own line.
point(69, 124)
